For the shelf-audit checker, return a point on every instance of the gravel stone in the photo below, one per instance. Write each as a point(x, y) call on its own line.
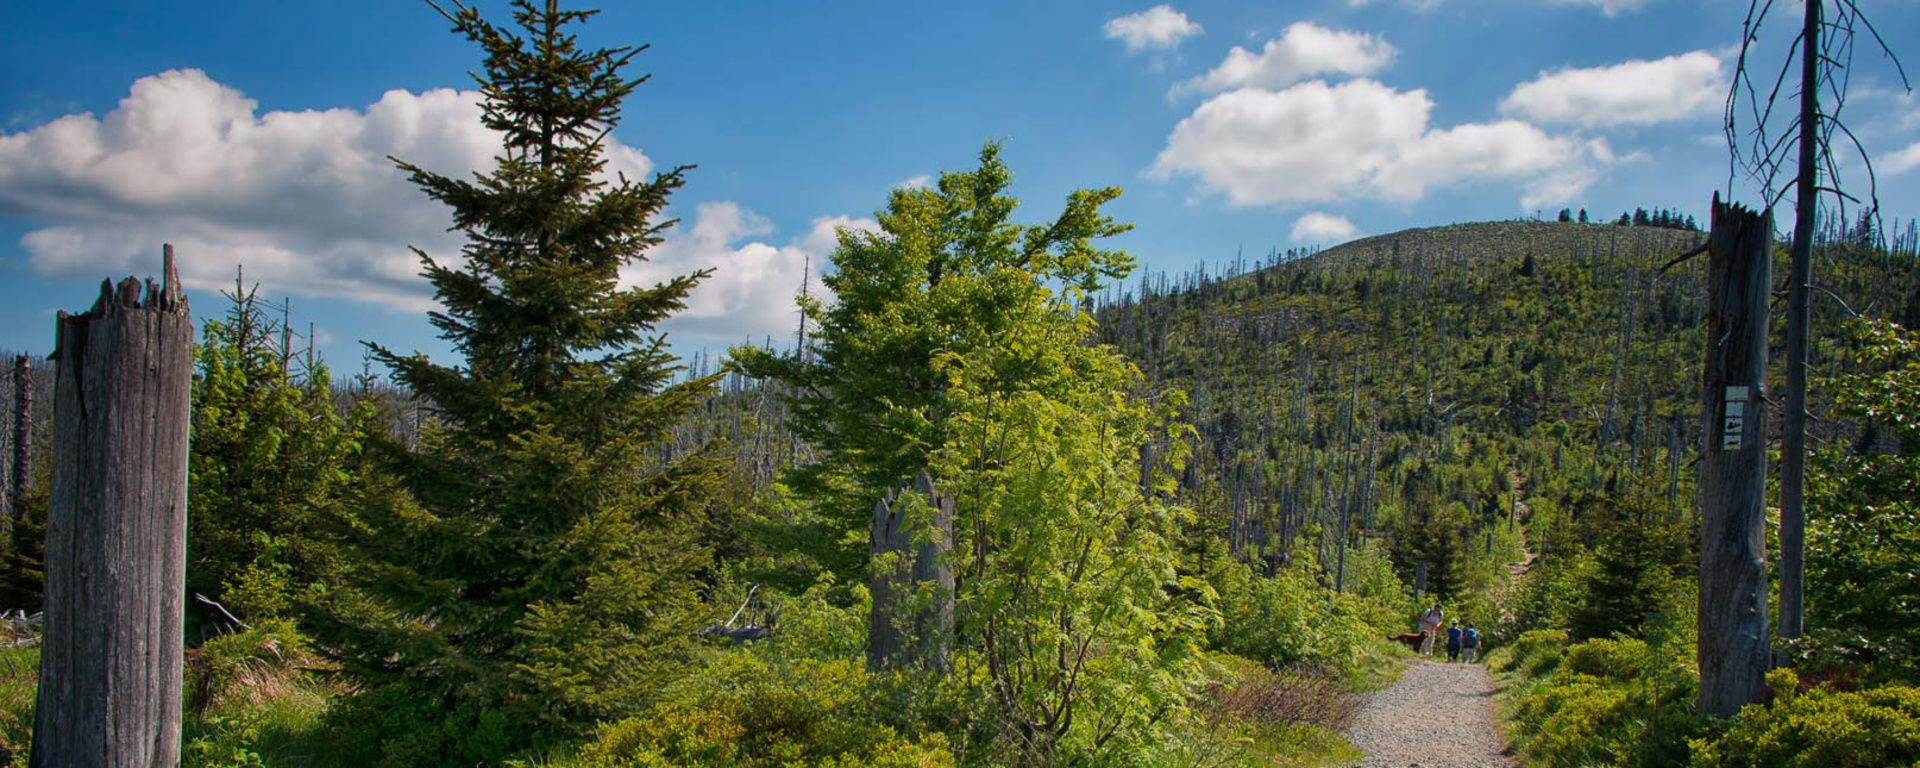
point(1436, 716)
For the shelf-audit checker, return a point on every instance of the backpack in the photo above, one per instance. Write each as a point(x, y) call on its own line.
point(1473, 637)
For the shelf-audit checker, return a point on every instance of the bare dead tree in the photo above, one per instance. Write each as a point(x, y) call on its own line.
point(1825, 48)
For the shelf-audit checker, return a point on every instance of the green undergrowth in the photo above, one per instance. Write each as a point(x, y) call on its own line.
point(257, 698)
point(804, 699)
point(1624, 703)
point(1605, 702)
point(1819, 727)
point(19, 679)
point(253, 698)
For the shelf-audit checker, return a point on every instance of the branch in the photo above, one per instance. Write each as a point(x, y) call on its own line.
point(1697, 250)
point(1878, 40)
point(743, 605)
point(222, 609)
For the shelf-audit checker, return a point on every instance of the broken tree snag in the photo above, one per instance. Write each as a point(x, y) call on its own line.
point(912, 620)
point(20, 476)
point(1733, 650)
point(116, 532)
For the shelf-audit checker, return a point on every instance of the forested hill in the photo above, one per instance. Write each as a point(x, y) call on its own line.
point(1395, 386)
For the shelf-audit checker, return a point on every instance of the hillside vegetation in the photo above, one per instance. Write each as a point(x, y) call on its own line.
point(1004, 502)
point(1448, 390)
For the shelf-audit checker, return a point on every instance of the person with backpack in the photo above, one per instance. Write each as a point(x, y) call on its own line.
point(1453, 641)
point(1470, 644)
point(1429, 627)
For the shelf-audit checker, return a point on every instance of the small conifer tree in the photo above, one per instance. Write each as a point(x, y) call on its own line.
point(265, 466)
point(535, 559)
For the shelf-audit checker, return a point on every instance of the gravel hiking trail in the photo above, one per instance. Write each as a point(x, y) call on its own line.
point(1436, 716)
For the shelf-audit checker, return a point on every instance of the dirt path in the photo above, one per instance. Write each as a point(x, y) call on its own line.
point(1521, 512)
point(1436, 716)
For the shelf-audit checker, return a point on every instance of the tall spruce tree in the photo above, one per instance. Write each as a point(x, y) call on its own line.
point(535, 560)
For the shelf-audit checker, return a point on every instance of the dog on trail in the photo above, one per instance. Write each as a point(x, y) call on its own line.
point(1409, 639)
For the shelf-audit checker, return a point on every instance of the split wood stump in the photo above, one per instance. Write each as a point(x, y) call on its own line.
point(110, 669)
point(1733, 652)
point(912, 621)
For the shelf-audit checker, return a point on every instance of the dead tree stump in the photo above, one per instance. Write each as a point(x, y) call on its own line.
point(1733, 651)
point(110, 670)
point(912, 620)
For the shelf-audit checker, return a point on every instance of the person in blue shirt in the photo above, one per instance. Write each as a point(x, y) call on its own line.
point(1470, 644)
point(1453, 641)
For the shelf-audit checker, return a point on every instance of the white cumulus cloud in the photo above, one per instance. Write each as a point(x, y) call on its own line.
point(307, 200)
point(309, 203)
point(1158, 27)
point(1302, 51)
point(1638, 92)
point(1322, 228)
point(750, 294)
point(1903, 160)
point(1315, 142)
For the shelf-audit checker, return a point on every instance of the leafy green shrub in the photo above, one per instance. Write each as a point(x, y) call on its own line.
point(1620, 660)
point(1533, 654)
point(1817, 728)
point(1575, 722)
point(1289, 620)
point(743, 710)
point(1863, 514)
point(1610, 702)
point(398, 727)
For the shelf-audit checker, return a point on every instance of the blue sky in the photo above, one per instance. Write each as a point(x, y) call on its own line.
point(257, 135)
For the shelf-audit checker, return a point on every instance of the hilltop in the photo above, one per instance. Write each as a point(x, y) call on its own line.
point(1495, 240)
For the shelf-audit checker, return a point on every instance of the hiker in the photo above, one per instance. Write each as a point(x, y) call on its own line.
point(1470, 644)
point(1429, 627)
point(1453, 641)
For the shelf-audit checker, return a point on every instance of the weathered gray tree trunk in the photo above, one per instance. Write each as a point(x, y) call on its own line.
point(1793, 433)
point(1733, 650)
point(909, 628)
point(116, 533)
point(20, 478)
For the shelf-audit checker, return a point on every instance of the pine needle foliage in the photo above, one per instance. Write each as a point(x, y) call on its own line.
point(535, 560)
point(267, 464)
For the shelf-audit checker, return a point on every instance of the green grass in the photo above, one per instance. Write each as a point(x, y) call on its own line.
point(270, 719)
point(1380, 666)
point(19, 683)
point(277, 726)
point(1298, 745)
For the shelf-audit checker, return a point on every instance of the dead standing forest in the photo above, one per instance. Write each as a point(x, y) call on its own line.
point(1004, 501)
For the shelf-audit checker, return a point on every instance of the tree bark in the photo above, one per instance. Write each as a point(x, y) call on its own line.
point(1733, 645)
point(110, 674)
point(22, 438)
point(1793, 433)
point(904, 631)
